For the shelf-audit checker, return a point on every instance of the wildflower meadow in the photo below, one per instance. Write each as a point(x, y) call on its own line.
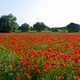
point(39, 56)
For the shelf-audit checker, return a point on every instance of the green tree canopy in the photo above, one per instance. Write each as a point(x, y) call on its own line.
point(8, 23)
point(39, 26)
point(24, 27)
point(72, 27)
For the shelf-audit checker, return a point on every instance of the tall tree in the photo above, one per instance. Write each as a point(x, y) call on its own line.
point(39, 26)
point(24, 27)
point(8, 23)
point(72, 27)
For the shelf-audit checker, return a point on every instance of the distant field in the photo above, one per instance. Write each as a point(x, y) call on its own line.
point(40, 56)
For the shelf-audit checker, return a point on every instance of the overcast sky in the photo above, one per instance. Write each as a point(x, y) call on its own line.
point(54, 13)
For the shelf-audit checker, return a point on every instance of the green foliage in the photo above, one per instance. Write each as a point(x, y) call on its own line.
point(59, 29)
point(72, 27)
point(24, 27)
point(39, 26)
point(8, 23)
point(54, 29)
point(8, 64)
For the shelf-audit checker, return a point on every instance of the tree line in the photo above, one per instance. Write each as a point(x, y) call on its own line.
point(8, 24)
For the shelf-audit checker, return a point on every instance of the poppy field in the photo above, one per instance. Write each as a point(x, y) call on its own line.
point(40, 56)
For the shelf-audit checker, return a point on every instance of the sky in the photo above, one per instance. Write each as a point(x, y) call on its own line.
point(54, 13)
